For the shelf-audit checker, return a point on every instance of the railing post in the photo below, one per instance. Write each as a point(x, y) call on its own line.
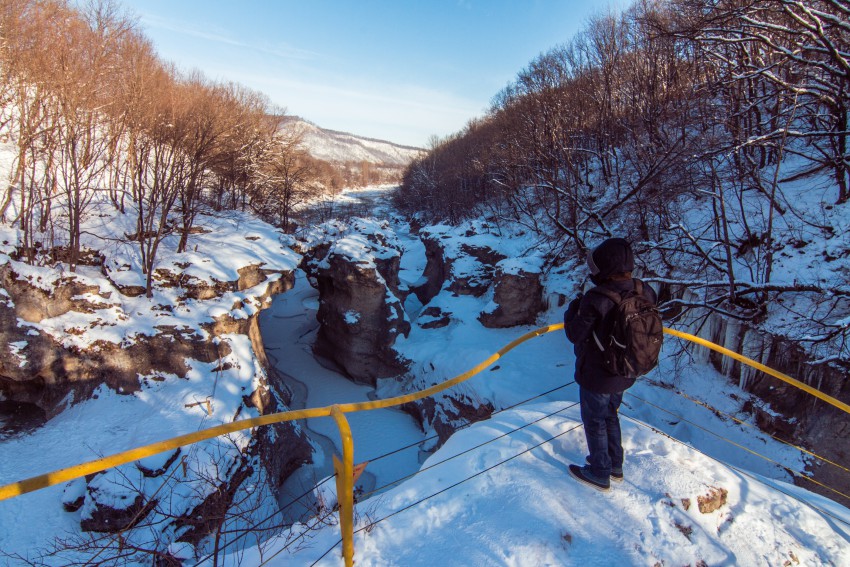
point(345, 486)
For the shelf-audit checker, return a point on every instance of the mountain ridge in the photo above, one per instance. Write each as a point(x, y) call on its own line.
point(337, 146)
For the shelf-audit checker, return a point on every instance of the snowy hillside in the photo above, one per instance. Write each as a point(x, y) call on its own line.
point(341, 147)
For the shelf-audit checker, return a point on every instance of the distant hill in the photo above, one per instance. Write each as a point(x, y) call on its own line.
point(341, 147)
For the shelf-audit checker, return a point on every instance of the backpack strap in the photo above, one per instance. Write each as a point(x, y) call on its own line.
point(638, 286)
point(616, 299)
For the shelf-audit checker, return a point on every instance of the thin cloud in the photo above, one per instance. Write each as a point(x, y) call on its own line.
point(280, 50)
point(409, 97)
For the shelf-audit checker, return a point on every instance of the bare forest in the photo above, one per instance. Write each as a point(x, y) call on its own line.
point(668, 107)
point(91, 110)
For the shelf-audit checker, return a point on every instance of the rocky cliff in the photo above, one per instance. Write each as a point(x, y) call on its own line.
point(355, 267)
point(780, 409)
point(192, 354)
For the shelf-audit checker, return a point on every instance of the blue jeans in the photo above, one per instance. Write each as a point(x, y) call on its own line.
point(602, 430)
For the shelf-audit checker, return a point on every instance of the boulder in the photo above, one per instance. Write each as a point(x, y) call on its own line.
point(433, 318)
point(713, 500)
point(467, 269)
point(517, 296)
point(114, 501)
point(473, 269)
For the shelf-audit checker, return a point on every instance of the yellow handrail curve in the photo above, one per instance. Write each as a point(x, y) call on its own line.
point(759, 366)
point(97, 465)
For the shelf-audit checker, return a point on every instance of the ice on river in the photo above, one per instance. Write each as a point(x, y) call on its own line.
point(289, 329)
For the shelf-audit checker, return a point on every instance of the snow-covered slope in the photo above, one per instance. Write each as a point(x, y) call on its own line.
point(341, 147)
point(498, 494)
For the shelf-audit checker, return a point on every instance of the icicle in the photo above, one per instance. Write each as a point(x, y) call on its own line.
point(730, 340)
point(752, 346)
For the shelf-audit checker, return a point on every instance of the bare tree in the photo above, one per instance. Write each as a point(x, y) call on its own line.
point(785, 56)
point(207, 124)
point(283, 179)
point(27, 86)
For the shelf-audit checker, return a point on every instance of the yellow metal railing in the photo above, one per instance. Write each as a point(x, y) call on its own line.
point(759, 366)
point(345, 469)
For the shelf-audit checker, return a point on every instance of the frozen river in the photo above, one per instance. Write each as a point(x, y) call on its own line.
point(289, 330)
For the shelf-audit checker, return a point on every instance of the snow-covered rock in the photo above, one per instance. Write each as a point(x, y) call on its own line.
point(355, 268)
point(517, 294)
point(464, 266)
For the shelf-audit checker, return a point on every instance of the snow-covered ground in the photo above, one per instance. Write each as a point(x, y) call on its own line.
point(511, 502)
point(498, 492)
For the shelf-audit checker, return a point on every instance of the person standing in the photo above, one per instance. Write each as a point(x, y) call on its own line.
point(588, 326)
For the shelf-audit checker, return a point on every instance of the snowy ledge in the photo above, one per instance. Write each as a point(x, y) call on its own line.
point(508, 500)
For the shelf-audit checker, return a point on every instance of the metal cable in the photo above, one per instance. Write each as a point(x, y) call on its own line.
point(421, 500)
point(766, 458)
point(751, 426)
point(467, 424)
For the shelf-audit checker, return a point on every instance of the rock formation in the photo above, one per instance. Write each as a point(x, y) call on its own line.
point(67, 335)
point(465, 265)
point(436, 271)
point(355, 269)
point(45, 369)
point(517, 295)
point(467, 269)
point(445, 413)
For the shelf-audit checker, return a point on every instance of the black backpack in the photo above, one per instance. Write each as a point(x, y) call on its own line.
point(631, 333)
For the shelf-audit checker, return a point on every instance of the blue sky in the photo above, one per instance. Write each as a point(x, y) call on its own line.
point(400, 70)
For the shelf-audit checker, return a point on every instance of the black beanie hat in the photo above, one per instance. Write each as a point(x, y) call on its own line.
point(614, 256)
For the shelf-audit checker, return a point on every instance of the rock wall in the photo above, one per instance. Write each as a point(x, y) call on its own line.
point(516, 283)
point(435, 273)
point(517, 296)
point(42, 366)
point(784, 411)
point(467, 270)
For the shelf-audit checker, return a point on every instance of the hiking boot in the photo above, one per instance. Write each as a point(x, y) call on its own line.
point(585, 475)
point(616, 472)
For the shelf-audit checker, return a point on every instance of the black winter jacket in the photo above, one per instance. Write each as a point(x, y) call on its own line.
point(583, 316)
